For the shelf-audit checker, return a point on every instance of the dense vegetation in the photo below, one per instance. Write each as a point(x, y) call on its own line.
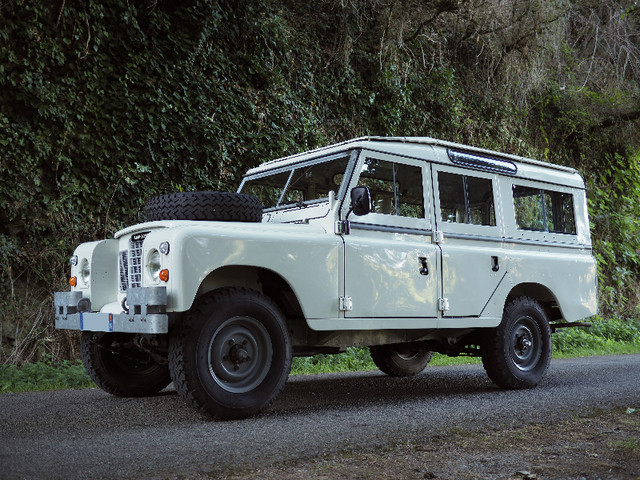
point(104, 104)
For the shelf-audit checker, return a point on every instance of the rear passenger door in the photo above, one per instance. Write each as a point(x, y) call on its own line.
point(470, 239)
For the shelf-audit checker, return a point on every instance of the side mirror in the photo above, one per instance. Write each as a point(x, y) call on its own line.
point(361, 200)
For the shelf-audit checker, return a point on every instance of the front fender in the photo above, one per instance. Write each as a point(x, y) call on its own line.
point(305, 256)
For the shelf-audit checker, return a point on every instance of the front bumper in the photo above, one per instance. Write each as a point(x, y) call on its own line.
point(147, 307)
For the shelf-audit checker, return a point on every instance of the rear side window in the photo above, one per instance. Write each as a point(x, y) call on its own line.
point(543, 210)
point(465, 199)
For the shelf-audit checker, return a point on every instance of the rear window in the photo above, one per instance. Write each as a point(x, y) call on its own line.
point(465, 199)
point(543, 210)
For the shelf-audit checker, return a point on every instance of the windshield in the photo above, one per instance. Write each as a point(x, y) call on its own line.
point(298, 184)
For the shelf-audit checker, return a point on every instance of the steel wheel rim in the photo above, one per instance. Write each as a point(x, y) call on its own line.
point(240, 354)
point(525, 345)
point(408, 354)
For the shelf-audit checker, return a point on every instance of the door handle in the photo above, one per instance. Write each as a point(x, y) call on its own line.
point(495, 266)
point(424, 268)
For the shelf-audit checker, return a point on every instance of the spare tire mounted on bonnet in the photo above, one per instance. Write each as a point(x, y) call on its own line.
point(217, 206)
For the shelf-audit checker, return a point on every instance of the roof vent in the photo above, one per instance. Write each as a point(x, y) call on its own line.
point(479, 162)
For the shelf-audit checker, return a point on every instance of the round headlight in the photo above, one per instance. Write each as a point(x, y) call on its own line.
point(85, 271)
point(154, 265)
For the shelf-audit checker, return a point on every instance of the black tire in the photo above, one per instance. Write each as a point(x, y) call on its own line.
point(118, 368)
point(517, 353)
point(217, 206)
point(230, 355)
point(400, 360)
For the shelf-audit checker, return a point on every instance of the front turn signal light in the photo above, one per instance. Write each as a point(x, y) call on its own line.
point(73, 281)
point(164, 275)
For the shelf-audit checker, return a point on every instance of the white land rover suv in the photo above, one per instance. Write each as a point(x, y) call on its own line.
point(406, 245)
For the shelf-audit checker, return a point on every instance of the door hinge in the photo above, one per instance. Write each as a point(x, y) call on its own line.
point(438, 237)
point(345, 304)
point(343, 227)
point(444, 304)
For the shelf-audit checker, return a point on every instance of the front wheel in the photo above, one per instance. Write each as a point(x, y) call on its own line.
point(115, 364)
point(400, 360)
point(517, 353)
point(230, 356)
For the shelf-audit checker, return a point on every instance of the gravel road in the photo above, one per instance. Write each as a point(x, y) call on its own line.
point(89, 434)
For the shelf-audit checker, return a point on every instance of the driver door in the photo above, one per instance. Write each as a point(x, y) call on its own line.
point(391, 264)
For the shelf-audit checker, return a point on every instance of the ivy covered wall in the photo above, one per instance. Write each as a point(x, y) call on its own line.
point(104, 104)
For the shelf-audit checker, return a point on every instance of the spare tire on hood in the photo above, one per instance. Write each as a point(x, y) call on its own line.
point(219, 206)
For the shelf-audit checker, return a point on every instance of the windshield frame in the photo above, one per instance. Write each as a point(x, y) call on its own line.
point(351, 155)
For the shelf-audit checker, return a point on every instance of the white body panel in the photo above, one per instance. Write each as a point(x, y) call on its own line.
point(382, 275)
point(304, 255)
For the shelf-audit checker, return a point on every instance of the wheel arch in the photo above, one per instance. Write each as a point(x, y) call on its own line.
point(540, 293)
point(263, 280)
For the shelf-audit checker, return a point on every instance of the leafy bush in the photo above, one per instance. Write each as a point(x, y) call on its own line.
point(600, 337)
point(617, 330)
point(45, 375)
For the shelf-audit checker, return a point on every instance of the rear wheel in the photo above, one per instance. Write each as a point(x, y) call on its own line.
point(517, 353)
point(400, 360)
point(115, 364)
point(231, 355)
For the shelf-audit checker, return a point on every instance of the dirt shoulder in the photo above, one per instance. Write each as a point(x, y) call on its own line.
point(603, 445)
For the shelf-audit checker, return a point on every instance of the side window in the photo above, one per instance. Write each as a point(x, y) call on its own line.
point(465, 199)
point(396, 188)
point(543, 210)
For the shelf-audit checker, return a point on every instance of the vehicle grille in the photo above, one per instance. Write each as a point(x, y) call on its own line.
point(135, 262)
point(123, 264)
point(130, 263)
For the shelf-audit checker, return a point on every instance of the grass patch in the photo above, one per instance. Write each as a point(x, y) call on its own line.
point(357, 359)
point(605, 337)
point(45, 375)
point(354, 359)
point(610, 349)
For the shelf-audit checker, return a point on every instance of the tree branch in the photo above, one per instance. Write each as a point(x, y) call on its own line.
point(443, 7)
point(631, 116)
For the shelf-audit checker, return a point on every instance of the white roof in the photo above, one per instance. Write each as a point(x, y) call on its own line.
point(415, 147)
